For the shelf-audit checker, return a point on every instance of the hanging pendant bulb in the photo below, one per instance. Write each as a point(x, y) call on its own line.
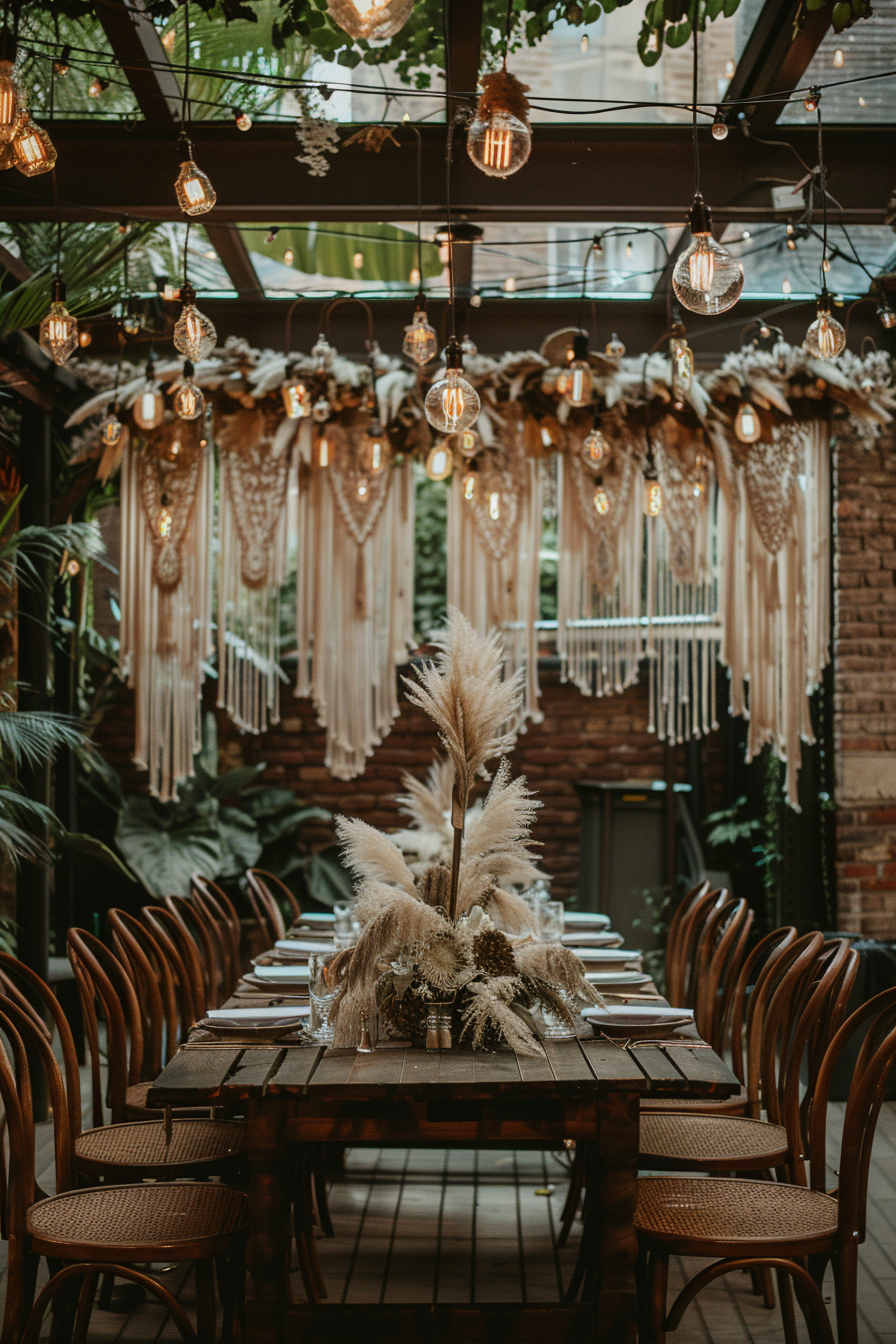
point(468, 485)
point(189, 403)
point(9, 89)
point(499, 140)
point(33, 149)
point(887, 316)
point(653, 496)
point(706, 278)
point(452, 404)
point(370, 20)
point(195, 193)
point(682, 365)
point(439, 462)
point(614, 347)
point(363, 488)
point(322, 450)
point(194, 335)
point(494, 505)
point(581, 377)
point(58, 330)
point(110, 429)
point(601, 501)
point(377, 444)
point(149, 407)
point(296, 397)
point(468, 443)
point(131, 319)
point(420, 339)
point(719, 125)
point(826, 338)
point(242, 119)
point(747, 426)
point(595, 446)
point(322, 352)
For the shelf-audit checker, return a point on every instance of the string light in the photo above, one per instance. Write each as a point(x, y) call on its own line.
point(9, 89)
point(719, 125)
point(510, 285)
point(468, 485)
point(594, 444)
point(439, 462)
point(363, 488)
point(747, 427)
point(242, 119)
point(414, 278)
point(494, 505)
point(629, 250)
point(358, 260)
point(583, 45)
point(614, 347)
point(165, 522)
point(729, 69)
point(131, 321)
point(58, 330)
point(420, 339)
point(323, 450)
point(376, 454)
point(97, 86)
point(288, 257)
point(193, 188)
point(468, 443)
point(189, 403)
point(61, 63)
point(810, 102)
point(476, 299)
point(149, 407)
point(84, 338)
point(169, 40)
point(581, 377)
point(682, 364)
point(826, 338)
point(322, 353)
point(33, 149)
point(271, 235)
point(601, 501)
point(786, 286)
point(652, 504)
point(296, 397)
point(194, 335)
point(499, 140)
point(839, 59)
point(887, 316)
point(111, 429)
point(452, 404)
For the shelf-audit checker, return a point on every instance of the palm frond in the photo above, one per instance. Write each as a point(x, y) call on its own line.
point(22, 551)
point(34, 736)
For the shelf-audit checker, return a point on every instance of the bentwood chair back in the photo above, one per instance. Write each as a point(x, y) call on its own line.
point(179, 946)
point(213, 956)
point(167, 1002)
point(682, 989)
point(265, 906)
point(107, 993)
point(673, 958)
point(219, 908)
point(718, 958)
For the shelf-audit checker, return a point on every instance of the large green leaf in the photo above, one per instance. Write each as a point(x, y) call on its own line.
point(164, 845)
point(326, 879)
point(389, 253)
point(76, 842)
point(240, 845)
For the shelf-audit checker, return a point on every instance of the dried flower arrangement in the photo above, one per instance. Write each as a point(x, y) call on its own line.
point(456, 936)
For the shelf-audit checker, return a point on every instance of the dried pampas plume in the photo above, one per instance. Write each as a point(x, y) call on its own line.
point(496, 847)
point(488, 1017)
point(371, 855)
point(435, 885)
point(428, 802)
point(464, 693)
point(503, 92)
point(558, 965)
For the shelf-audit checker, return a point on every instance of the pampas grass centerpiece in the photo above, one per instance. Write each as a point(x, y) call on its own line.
point(455, 936)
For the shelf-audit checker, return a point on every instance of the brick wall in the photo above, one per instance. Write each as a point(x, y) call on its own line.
point(865, 689)
point(579, 739)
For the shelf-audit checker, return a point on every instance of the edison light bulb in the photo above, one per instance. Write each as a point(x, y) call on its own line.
point(499, 144)
point(747, 426)
point(9, 102)
point(595, 446)
point(242, 119)
point(452, 404)
point(601, 501)
point(288, 257)
point(372, 20)
point(706, 278)
point(195, 193)
point(887, 316)
point(614, 347)
point(149, 408)
point(826, 338)
point(438, 462)
point(33, 149)
point(110, 430)
point(363, 488)
point(323, 451)
point(653, 497)
point(84, 338)
point(719, 126)
point(420, 339)
point(165, 521)
point(494, 505)
point(296, 398)
point(58, 330)
point(682, 365)
point(468, 484)
point(468, 443)
point(810, 102)
point(581, 378)
point(194, 335)
point(189, 403)
point(376, 447)
point(130, 322)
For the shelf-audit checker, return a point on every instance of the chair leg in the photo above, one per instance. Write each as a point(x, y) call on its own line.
point(319, 1170)
point(785, 1296)
point(59, 1281)
point(85, 1308)
point(223, 1274)
point(658, 1281)
point(205, 1301)
point(573, 1196)
point(846, 1268)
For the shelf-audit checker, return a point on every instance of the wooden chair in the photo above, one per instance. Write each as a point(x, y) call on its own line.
point(746, 1224)
point(179, 946)
point(267, 894)
point(109, 1229)
point(674, 973)
point(213, 948)
point(219, 908)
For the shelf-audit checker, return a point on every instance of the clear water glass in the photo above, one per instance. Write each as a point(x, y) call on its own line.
point(557, 1028)
point(342, 918)
point(551, 914)
point(322, 994)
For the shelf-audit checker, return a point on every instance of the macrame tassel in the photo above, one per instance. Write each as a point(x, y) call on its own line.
point(167, 502)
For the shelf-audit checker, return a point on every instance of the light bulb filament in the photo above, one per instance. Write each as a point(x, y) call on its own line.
point(701, 266)
point(497, 147)
point(453, 404)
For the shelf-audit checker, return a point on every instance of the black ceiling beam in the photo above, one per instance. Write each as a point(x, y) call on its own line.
point(575, 173)
point(775, 59)
point(134, 40)
point(519, 323)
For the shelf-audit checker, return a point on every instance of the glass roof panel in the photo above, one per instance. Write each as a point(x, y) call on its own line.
point(864, 49)
point(540, 259)
point(768, 263)
point(69, 93)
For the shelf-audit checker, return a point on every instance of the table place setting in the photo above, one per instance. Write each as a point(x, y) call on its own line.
point(275, 1022)
point(581, 938)
point(635, 1021)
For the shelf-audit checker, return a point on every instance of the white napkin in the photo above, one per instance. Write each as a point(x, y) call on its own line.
point(303, 945)
point(642, 1010)
point(284, 974)
point(258, 1014)
point(316, 917)
point(581, 917)
point(616, 978)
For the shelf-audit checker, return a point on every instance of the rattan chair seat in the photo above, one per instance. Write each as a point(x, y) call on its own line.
point(737, 1217)
point(176, 1220)
point(736, 1105)
point(143, 1145)
point(698, 1142)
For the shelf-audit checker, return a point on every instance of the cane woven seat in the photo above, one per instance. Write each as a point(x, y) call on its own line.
point(716, 1216)
point(144, 1145)
point(697, 1142)
point(147, 1222)
point(735, 1105)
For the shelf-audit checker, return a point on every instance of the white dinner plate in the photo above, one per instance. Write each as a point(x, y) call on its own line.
point(316, 917)
point(616, 955)
point(283, 1013)
point(616, 978)
point(585, 918)
point(579, 938)
point(298, 945)
point(634, 1020)
point(283, 975)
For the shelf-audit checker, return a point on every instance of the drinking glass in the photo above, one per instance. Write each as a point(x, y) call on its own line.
point(556, 1028)
point(322, 993)
point(552, 921)
point(346, 927)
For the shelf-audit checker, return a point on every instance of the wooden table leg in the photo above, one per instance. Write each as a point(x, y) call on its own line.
point(612, 1196)
point(267, 1254)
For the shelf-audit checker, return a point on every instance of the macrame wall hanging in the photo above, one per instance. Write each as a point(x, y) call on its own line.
point(167, 503)
point(494, 544)
point(255, 455)
point(355, 592)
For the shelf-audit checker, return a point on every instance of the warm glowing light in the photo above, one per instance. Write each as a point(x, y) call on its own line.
point(420, 339)
point(194, 335)
point(887, 316)
point(510, 285)
point(499, 143)
point(810, 102)
point(73, 569)
point(826, 338)
point(194, 191)
point(323, 451)
point(33, 149)
point(242, 119)
point(469, 485)
point(84, 338)
point(165, 524)
point(363, 488)
point(746, 423)
point(614, 347)
point(595, 446)
point(288, 257)
point(110, 430)
point(580, 383)
point(706, 278)
point(468, 443)
point(372, 20)
point(601, 501)
point(9, 102)
point(786, 286)
point(451, 404)
point(358, 260)
point(169, 39)
point(653, 498)
point(296, 398)
point(439, 463)
point(189, 403)
point(494, 505)
point(701, 266)
point(729, 69)
point(838, 59)
point(58, 330)
point(376, 447)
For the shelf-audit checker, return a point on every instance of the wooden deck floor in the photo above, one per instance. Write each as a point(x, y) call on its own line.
point(449, 1226)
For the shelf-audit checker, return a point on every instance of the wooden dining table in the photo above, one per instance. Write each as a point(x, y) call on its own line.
point(586, 1089)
